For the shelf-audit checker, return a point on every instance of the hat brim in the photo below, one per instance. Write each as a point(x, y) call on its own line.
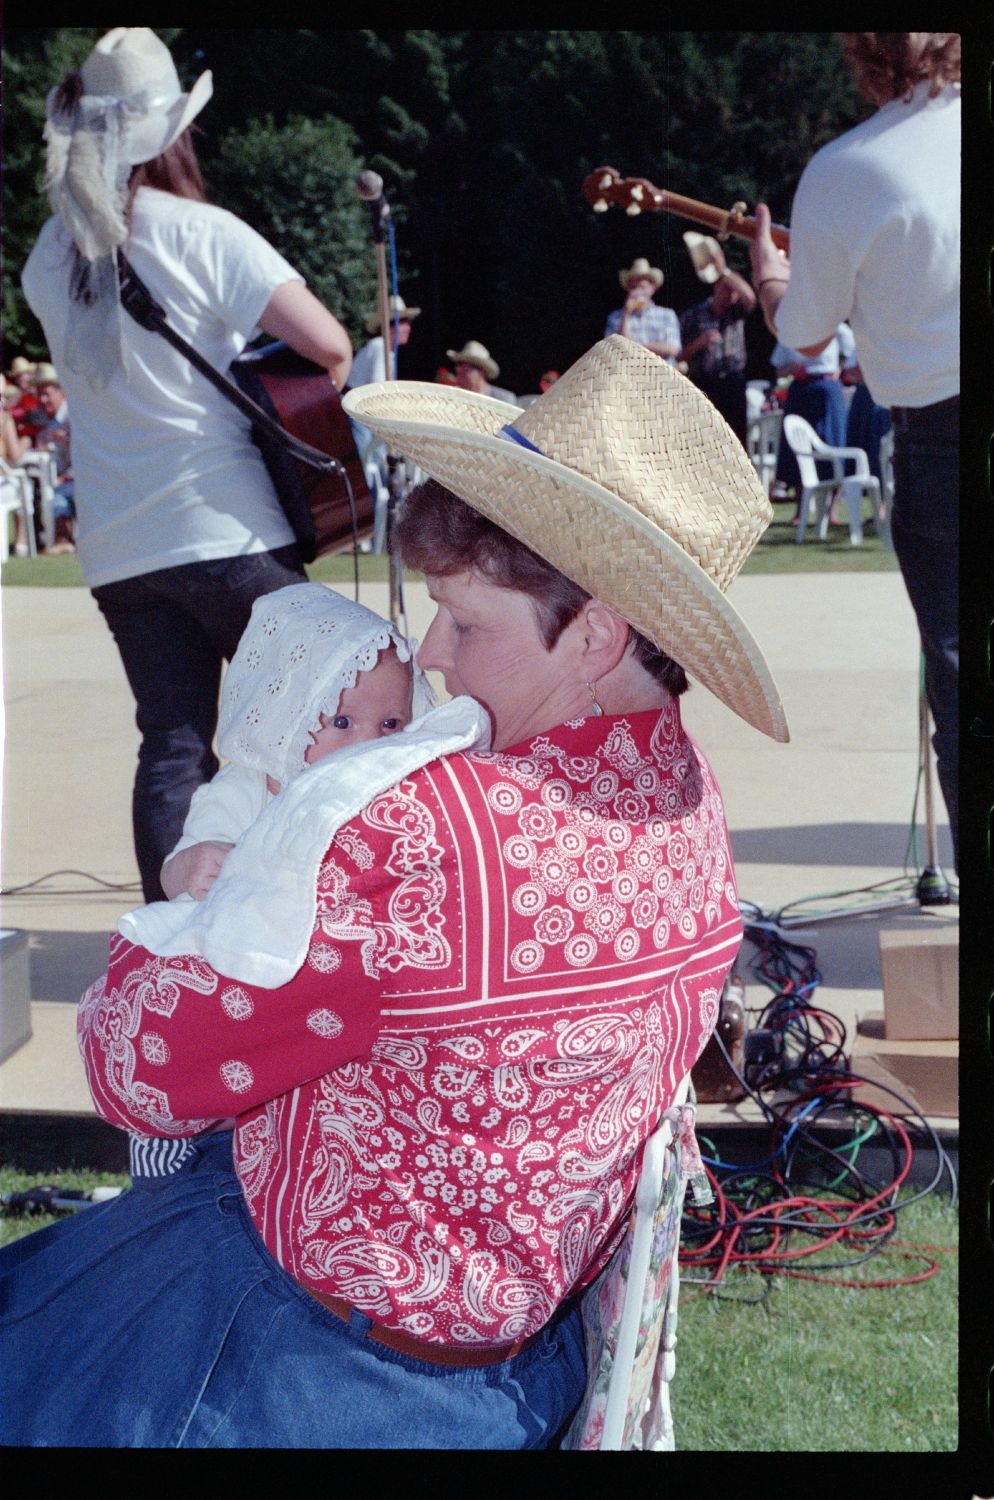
point(407, 316)
point(654, 275)
point(582, 528)
point(490, 367)
point(149, 137)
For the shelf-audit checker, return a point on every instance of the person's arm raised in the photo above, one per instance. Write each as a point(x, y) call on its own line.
point(295, 315)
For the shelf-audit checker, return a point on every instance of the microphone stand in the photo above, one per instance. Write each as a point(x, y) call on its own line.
point(932, 887)
point(380, 213)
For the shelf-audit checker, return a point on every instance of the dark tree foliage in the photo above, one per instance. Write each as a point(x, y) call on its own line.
point(483, 139)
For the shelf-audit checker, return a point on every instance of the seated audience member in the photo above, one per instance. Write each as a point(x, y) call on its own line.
point(508, 961)
point(26, 412)
point(867, 423)
point(476, 369)
point(53, 435)
point(641, 319)
point(816, 394)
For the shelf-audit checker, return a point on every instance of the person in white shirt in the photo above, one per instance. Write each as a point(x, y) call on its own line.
point(178, 527)
point(370, 365)
point(875, 239)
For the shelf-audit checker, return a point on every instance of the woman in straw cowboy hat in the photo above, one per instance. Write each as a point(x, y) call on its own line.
point(515, 957)
point(179, 529)
point(641, 319)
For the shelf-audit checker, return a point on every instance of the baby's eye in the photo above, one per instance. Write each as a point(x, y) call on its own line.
point(390, 725)
point(341, 721)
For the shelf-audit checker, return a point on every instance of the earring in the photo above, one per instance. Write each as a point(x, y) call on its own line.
point(595, 708)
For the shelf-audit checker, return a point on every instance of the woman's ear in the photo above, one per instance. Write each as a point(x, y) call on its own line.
point(605, 639)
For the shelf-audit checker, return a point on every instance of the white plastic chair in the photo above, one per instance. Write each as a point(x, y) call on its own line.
point(816, 493)
point(755, 396)
point(376, 468)
point(887, 487)
point(16, 498)
point(630, 1311)
point(762, 443)
point(40, 466)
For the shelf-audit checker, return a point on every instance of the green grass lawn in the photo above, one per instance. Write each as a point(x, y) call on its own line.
point(777, 552)
point(808, 1368)
point(818, 1368)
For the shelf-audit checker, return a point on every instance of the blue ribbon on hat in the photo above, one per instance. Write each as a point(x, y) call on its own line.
point(514, 436)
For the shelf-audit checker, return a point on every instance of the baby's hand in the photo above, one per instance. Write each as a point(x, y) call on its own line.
point(194, 870)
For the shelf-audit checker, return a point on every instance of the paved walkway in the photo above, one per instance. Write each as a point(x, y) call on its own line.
point(829, 812)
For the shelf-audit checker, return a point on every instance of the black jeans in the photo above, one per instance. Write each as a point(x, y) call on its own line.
point(925, 529)
point(174, 628)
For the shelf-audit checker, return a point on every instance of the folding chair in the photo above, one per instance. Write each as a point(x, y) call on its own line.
point(630, 1311)
point(817, 493)
point(16, 498)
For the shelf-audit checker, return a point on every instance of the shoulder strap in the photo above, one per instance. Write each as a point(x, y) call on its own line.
point(137, 300)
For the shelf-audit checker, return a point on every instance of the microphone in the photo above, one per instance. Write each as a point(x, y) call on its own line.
point(369, 186)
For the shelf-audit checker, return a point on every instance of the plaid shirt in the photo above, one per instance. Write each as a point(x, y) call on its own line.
point(726, 358)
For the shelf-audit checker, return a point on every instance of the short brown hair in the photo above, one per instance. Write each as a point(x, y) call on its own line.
point(440, 534)
point(887, 64)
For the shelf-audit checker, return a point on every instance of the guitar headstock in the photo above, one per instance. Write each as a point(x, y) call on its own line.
point(606, 186)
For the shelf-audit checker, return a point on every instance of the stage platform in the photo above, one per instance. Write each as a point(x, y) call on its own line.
point(829, 812)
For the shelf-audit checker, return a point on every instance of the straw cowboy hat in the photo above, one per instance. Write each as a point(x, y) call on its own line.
point(44, 374)
point(399, 312)
point(624, 477)
point(21, 366)
point(475, 354)
point(702, 247)
point(641, 267)
point(131, 110)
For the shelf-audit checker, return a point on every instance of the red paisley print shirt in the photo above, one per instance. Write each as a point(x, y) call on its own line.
point(517, 957)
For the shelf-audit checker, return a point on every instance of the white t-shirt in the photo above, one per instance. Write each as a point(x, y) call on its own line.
point(875, 239)
point(837, 354)
point(166, 472)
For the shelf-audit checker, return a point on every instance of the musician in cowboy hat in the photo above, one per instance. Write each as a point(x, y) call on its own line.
point(369, 364)
point(641, 319)
point(517, 956)
point(713, 334)
point(476, 369)
point(179, 528)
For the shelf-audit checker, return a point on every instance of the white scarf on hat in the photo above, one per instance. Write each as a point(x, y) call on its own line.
point(87, 182)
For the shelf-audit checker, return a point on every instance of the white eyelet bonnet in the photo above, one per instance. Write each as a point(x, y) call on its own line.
point(303, 646)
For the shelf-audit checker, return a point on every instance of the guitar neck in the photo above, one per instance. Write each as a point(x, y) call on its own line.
point(637, 195)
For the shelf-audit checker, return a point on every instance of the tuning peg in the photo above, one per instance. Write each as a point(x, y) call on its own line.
point(600, 207)
point(638, 192)
point(605, 181)
point(632, 210)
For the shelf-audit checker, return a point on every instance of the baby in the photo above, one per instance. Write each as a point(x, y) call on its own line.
point(322, 708)
point(313, 673)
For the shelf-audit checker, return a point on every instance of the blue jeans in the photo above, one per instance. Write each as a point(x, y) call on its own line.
point(174, 628)
point(925, 528)
point(160, 1320)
